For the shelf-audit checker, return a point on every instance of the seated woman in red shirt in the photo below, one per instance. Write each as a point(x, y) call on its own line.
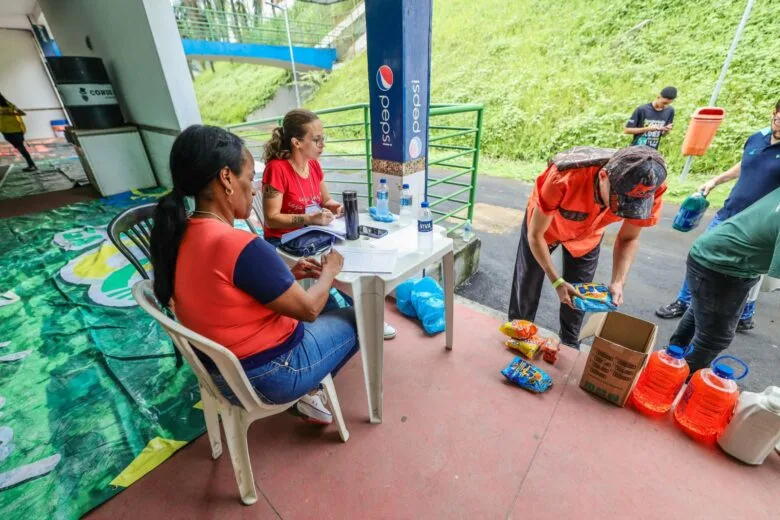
point(294, 189)
point(231, 286)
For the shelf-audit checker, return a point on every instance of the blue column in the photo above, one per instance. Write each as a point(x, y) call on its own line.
point(399, 64)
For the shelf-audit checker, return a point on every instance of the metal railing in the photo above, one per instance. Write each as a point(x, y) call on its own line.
point(455, 132)
point(454, 144)
point(240, 27)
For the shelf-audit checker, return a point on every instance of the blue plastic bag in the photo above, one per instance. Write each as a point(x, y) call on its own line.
point(403, 298)
point(424, 299)
point(390, 217)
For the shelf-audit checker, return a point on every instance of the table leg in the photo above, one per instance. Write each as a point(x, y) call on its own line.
point(448, 271)
point(369, 297)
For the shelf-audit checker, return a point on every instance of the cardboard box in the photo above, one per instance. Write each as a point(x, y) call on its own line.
point(620, 349)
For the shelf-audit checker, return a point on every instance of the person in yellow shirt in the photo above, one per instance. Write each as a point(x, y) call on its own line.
point(12, 127)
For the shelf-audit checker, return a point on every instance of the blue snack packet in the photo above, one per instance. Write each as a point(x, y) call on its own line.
point(527, 375)
point(593, 297)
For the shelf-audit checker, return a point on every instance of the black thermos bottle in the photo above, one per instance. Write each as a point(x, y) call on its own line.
point(351, 213)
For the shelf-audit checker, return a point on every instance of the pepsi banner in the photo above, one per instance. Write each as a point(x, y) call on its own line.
point(399, 56)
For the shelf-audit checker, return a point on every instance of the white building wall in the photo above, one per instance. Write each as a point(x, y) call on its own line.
point(23, 78)
point(141, 49)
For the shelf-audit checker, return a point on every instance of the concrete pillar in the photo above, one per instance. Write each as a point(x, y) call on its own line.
point(399, 62)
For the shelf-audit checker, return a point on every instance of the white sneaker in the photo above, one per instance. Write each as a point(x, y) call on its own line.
point(313, 408)
point(389, 331)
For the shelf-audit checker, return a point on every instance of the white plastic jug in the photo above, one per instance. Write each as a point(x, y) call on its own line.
point(755, 428)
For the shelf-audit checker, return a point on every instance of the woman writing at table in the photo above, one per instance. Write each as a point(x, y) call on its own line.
point(294, 189)
point(232, 287)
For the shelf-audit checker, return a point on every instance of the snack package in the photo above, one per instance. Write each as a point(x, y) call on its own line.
point(593, 297)
point(550, 350)
point(519, 329)
point(528, 347)
point(526, 375)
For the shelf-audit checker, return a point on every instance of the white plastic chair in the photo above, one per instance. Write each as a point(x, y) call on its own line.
point(257, 207)
point(235, 419)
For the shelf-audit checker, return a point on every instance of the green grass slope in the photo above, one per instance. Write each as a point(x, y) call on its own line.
point(558, 74)
point(233, 91)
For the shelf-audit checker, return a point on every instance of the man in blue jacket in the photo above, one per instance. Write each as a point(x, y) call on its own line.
point(757, 174)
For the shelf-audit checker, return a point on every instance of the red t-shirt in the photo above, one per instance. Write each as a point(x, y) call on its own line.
point(578, 220)
point(297, 192)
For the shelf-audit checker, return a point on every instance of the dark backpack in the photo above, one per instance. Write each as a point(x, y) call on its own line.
point(582, 157)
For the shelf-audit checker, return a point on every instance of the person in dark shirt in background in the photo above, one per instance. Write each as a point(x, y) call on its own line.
point(650, 122)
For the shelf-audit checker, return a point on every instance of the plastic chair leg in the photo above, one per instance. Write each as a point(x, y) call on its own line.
point(235, 424)
point(211, 417)
point(335, 407)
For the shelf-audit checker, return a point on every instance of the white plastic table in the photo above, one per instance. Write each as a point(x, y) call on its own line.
point(368, 290)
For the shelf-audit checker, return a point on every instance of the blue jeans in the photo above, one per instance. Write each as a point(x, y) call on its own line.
point(327, 344)
point(684, 295)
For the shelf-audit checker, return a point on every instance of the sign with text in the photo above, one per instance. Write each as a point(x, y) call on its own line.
point(399, 55)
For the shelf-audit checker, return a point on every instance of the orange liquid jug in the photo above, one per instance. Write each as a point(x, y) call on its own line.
point(661, 381)
point(708, 403)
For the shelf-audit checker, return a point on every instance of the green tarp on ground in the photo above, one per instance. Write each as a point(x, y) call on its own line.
point(89, 388)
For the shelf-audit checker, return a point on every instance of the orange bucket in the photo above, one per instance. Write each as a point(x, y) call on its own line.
point(704, 123)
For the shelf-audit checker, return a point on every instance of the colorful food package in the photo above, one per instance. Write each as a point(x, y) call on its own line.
point(550, 350)
point(519, 329)
point(593, 297)
point(528, 376)
point(528, 347)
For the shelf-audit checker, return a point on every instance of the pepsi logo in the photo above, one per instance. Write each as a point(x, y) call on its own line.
point(415, 147)
point(384, 78)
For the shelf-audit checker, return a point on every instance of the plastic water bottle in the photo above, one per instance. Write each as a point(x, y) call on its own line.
point(425, 229)
point(755, 429)
point(407, 210)
point(382, 199)
point(691, 212)
point(468, 231)
point(660, 381)
point(708, 403)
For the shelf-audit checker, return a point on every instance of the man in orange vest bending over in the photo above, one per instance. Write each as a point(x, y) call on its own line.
point(581, 192)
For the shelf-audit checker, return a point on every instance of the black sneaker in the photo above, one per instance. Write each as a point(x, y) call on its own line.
point(673, 310)
point(746, 325)
point(30, 169)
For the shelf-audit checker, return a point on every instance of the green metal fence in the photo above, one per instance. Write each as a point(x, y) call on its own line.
point(453, 157)
point(453, 161)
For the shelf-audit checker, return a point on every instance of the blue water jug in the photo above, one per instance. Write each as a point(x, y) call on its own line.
point(691, 212)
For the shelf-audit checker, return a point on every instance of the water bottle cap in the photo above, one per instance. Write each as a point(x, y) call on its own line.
point(406, 186)
point(424, 204)
point(724, 371)
point(382, 181)
point(676, 351)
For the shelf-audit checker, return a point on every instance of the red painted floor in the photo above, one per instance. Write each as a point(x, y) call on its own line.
point(459, 442)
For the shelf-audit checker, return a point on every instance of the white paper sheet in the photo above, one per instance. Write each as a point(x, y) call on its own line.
point(364, 260)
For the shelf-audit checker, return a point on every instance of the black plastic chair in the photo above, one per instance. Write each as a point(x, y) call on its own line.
point(136, 223)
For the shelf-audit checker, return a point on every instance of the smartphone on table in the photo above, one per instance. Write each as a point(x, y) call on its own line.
point(372, 232)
